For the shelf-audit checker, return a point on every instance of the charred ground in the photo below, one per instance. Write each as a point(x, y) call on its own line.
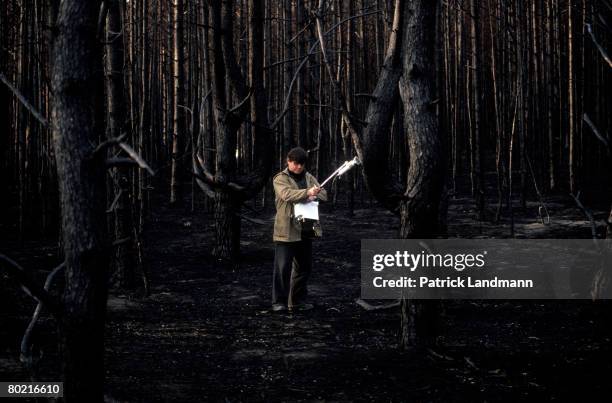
point(206, 332)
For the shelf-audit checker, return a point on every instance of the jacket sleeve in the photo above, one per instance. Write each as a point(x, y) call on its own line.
point(284, 191)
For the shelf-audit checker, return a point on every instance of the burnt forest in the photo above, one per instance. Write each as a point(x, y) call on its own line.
point(140, 145)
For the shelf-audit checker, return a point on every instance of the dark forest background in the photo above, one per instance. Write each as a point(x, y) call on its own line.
point(110, 106)
point(526, 80)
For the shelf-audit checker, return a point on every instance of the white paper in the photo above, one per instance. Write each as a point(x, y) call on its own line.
point(309, 210)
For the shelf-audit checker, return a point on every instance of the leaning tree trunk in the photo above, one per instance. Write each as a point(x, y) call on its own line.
point(411, 55)
point(77, 125)
point(419, 211)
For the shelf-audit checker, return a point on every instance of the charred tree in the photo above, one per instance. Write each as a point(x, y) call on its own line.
point(228, 187)
point(420, 210)
point(77, 127)
point(123, 224)
point(178, 85)
point(407, 72)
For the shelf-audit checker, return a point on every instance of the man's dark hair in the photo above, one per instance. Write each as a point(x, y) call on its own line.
point(298, 154)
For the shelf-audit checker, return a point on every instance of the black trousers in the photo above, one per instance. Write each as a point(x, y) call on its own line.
point(292, 266)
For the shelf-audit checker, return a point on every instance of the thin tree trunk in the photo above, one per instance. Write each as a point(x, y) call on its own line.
point(570, 97)
point(124, 255)
point(178, 127)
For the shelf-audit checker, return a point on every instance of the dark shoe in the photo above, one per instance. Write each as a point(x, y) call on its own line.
point(279, 307)
point(301, 307)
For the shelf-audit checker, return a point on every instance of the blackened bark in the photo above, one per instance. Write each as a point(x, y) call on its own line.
point(420, 211)
point(5, 99)
point(125, 252)
point(477, 174)
point(77, 108)
point(227, 124)
point(227, 227)
point(374, 151)
point(231, 188)
point(178, 125)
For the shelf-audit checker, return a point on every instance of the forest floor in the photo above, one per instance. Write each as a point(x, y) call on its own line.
point(207, 333)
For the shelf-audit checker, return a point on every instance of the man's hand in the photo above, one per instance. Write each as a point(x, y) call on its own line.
point(312, 198)
point(313, 191)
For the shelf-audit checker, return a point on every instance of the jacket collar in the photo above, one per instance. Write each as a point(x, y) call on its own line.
point(286, 172)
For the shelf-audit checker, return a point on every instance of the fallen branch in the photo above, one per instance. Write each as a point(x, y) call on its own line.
point(369, 307)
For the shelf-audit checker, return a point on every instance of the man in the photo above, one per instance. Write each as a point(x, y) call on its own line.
point(293, 250)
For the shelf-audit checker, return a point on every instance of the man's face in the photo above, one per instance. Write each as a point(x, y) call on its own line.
point(295, 167)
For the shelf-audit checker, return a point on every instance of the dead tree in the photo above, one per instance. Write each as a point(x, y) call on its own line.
point(77, 124)
point(178, 126)
point(121, 206)
point(226, 186)
point(408, 72)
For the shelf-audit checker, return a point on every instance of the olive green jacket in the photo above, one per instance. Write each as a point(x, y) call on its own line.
point(286, 229)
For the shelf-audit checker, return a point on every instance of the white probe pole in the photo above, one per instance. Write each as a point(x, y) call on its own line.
point(343, 168)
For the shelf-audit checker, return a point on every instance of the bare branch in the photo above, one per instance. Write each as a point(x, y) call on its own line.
point(349, 119)
point(120, 162)
point(115, 201)
point(134, 155)
point(241, 103)
point(108, 143)
point(30, 286)
point(311, 51)
point(586, 212)
point(26, 345)
point(603, 52)
point(208, 180)
point(121, 241)
point(601, 138)
point(24, 101)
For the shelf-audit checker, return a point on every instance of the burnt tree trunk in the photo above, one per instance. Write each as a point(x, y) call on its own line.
point(420, 210)
point(227, 186)
point(77, 125)
point(227, 226)
point(178, 126)
point(125, 252)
